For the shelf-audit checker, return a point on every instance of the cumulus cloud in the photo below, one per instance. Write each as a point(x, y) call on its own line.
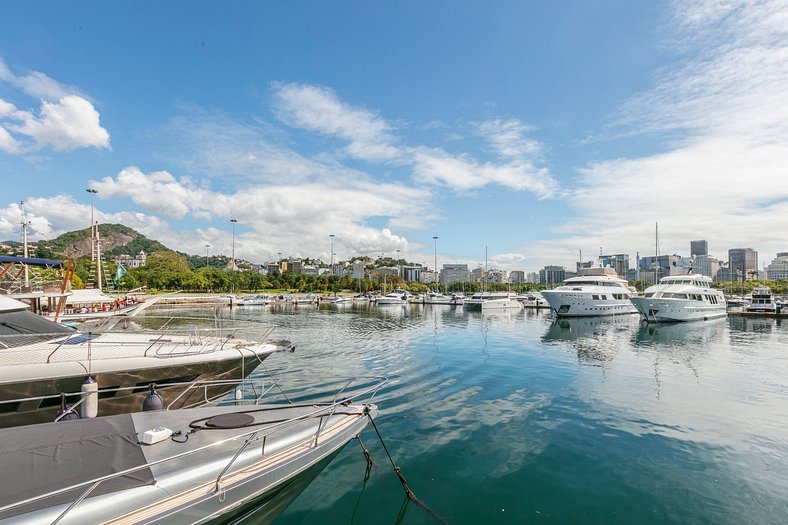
point(65, 120)
point(722, 177)
point(507, 138)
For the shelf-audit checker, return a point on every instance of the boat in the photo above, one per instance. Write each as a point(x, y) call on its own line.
point(681, 298)
point(762, 301)
point(438, 298)
point(253, 300)
point(41, 359)
point(595, 292)
point(491, 301)
point(394, 297)
point(199, 465)
point(306, 299)
point(532, 300)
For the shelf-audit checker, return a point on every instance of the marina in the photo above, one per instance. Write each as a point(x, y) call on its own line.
point(514, 416)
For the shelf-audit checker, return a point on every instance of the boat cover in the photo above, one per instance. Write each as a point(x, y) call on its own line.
point(23, 327)
point(51, 456)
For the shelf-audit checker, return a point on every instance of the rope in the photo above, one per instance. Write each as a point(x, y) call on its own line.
point(408, 493)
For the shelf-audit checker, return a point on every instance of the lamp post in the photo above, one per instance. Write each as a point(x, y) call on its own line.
point(207, 261)
point(332, 253)
point(437, 275)
point(233, 221)
point(92, 225)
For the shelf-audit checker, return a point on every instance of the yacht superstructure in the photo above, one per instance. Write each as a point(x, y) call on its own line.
point(595, 292)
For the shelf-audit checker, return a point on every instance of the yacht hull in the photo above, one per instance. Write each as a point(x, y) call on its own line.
point(583, 305)
point(658, 310)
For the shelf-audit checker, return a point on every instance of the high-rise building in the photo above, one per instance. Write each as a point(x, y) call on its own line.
point(744, 261)
point(706, 265)
point(619, 262)
point(517, 277)
point(552, 275)
point(411, 273)
point(778, 268)
point(358, 270)
point(699, 248)
point(454, 273)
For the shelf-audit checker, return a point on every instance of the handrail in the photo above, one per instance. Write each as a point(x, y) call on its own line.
point(275, 427)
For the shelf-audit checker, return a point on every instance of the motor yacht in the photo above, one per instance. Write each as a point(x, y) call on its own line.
point(491, 301)
point(681, 298)
point(595, 292)
point(40, 359)
point(762, 301)
point(532, 300)
point(438, 298)
point(188, 466)
point(394, 297)
point(253, 300)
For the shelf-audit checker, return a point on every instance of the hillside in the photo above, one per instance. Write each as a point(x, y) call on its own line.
point(116, 239)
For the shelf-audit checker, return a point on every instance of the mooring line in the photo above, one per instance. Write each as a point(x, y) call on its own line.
point(409, 493)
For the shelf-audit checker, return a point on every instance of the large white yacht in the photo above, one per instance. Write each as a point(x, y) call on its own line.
point(395, 297)
point(681, 298)
point(491, 301)
point(596, 291)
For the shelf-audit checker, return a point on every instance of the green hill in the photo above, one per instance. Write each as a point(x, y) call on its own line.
point(116, 239)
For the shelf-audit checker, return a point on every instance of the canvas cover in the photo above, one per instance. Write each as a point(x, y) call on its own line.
point(43, 458)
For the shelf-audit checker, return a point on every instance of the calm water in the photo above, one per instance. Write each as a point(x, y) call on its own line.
point(515, 418)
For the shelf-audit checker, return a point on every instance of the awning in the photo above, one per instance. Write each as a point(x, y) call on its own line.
point(31, 261)
point(89, 296)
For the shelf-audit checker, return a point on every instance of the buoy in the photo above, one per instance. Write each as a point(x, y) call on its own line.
point(153, 400)
point(65, 413)
point(89, 406)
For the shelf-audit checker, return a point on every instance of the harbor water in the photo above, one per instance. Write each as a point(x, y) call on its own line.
point(515, 417)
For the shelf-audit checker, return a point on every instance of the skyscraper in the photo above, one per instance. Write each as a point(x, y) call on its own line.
point(743, 261)
point(699, 248)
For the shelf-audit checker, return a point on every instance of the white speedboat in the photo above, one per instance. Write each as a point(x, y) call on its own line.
point(394, 297)
point(532, 300)
point(253, 300)
point(762, 301)
point(491, 301)
point(681, 298)
point(438, 298)
point(591, 295)
point(199, 465)
point(41, 359)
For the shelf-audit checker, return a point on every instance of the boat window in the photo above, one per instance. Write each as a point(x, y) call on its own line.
point(595, 297)
point(650, 294)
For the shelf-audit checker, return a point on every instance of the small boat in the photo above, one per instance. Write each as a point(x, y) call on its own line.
point(491, 301)
point(41, 359)
point(198, 465)
point(438, 298)
point(681, 298)
point(394, 297)
point(762, 301)
point(306, 299)
point(534, 300)
point(253, 300)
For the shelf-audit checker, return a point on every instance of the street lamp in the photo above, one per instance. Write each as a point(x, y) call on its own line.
point(207, 261)
point(233, 221)
point(332, 253)
point(92, 225)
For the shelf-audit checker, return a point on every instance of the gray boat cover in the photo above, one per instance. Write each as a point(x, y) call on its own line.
point(39, 459)
point(24, 327)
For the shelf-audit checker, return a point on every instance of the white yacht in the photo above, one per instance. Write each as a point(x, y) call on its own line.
point(394, 297)
point(762, 301)
point(40, 359)
point(491, 301)
point(438, 298)
point(253, 300)
point(595, 292)
point(681, 298)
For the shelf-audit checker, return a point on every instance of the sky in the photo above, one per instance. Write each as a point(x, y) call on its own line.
point(526, 132)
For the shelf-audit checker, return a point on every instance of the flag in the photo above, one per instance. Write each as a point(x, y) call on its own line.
point(119, 273)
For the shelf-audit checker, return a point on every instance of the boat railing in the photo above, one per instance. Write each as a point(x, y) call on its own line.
point(321, 411)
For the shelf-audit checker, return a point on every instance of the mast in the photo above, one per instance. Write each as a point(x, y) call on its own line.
point(25, 253)
point(98, 257)
point(484, 277)
point(656, 255)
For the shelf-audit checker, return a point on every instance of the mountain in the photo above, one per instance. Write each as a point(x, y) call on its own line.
point(116, 239)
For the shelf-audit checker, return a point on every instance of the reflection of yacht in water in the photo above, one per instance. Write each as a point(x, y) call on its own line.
point(673, 334)
point(596, 338)
point(595, 292)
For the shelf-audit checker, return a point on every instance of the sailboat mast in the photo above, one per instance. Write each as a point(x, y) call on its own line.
point(25, 251)
point(98, 257)
point(656, 254)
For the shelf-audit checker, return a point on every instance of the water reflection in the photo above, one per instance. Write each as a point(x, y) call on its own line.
point(596, 339)
point(698, 333)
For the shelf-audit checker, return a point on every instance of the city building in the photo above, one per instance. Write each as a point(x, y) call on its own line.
point(517, 277)
point(494, 276)
point(533, 278)
point(706, 265)
point(411, 273)
point(552, 275)
point(619, 262)
point(699, 248)
point(778, 268)
point(292, 266)
point(357, 271)
point(428, 277)
point(452, 273)
point(745, 262)
point(272, 267)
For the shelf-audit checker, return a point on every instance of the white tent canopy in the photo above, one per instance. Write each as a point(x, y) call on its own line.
point(89, 296)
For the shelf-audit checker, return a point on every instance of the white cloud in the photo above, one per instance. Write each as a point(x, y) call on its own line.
point(463, 173)
point(65, 120)
point(507, 137)
point(319, 109)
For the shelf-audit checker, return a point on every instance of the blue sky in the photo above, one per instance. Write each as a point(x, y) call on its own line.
point(537, 129)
